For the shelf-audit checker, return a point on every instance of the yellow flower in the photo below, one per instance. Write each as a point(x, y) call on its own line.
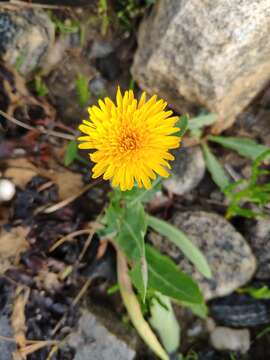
point(131, 139)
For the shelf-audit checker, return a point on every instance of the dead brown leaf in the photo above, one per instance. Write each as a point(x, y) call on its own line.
point(68, 183)
point(4, 214)
point(12, 244)
point(20, 171)
point(48, 280)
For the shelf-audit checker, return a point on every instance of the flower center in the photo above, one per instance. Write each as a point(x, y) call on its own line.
point(128, 142)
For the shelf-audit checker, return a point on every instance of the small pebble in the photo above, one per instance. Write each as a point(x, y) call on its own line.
point(7, 190)
point(223, 338)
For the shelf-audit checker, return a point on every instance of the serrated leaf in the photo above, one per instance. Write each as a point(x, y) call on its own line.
point(192, 253)
point(164, 276)
point(201, 121)
point(215, 168)
point(71, 153)
point(244, 146)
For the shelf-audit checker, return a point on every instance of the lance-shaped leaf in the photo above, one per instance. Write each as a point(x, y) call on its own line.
point(164, 276)
point(215, 168)
point(244, 146)
point(177, 237)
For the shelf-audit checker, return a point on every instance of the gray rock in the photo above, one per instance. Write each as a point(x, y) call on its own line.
point(259, 239)
point(223, 338)
point(212, 54)
point(240, 310)
point(187, 170)
point(63, 90)
point(26, 37)
point(99, 49)
point(6, 347)
point(94, 341)
point(97, 86)
point(229, 256)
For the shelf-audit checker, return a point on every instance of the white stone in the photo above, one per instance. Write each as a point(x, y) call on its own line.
point(223, 338)
point(7, 190)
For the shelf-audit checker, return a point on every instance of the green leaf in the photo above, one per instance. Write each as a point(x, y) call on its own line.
point(164, 322)
point(130, 238)
point(257, 293)
point(113, 289)
point(182, 123)
point(82, 90)
point(249, 191)
point(244, 146)
point(200, 310)
point(164, 276)
point(215, 168)
point(201, 121)
point(71, 153)
point(142, 195)
point(177, 237)
point(40, 87)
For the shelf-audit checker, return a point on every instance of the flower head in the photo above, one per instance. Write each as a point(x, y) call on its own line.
point(131, 139)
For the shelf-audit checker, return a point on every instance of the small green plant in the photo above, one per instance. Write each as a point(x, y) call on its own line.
point(82, 88)
point(257, 293)
point(245, 192)
point(191, 355)
point(20, 60)
point(68, 26)
point(249, 191)
point(72, 154)
point(128, 10)
point(40, 86)
point(103, 11)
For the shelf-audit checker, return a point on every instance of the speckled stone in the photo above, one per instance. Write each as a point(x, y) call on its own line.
point(6, 347)
point(208, 53)
point(187, 172)
point(259, 239)
point(26, 37)
point(94, 341)
point(228, 254)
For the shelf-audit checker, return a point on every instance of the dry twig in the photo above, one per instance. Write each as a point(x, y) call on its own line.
point(41, 130)
point(69, 200)
point(13, 4)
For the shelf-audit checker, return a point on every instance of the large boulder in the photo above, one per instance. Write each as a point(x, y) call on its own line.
point(214, 54)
